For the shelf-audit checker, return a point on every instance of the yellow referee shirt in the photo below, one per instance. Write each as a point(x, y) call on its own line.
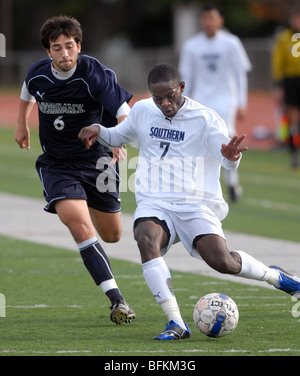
point(285, 62)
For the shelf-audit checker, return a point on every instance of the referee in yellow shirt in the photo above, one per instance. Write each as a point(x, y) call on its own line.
point(286, 74)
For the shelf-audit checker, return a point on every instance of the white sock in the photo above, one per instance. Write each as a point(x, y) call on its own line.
point(108, 285)
point(171, 310)
point(86, 243)
point(158, 278)
point(254, 269)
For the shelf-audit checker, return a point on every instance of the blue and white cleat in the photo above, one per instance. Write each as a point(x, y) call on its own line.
point(288, 282)
point(173, 331)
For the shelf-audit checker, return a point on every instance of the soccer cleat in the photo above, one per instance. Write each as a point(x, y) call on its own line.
point(288, 282)
point(121, 312)
point(173, 331)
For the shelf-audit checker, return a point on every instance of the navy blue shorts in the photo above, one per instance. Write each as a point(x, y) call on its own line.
point(94, 181)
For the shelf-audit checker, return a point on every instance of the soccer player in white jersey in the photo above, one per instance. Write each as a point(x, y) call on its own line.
point(73, 91)
point(182, 146)
point(214, 66)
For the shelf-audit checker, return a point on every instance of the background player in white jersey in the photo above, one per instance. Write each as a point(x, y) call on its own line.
point(170, 128)
point(73, 91)
point(214, 66)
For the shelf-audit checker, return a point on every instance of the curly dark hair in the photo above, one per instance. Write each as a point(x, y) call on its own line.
point(56, 26)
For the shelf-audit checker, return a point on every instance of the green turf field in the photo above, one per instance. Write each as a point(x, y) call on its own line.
point(53, 307)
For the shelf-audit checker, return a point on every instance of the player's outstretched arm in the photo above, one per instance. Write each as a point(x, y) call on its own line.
point(89, 135)
point(232, 150)
point(22, 132)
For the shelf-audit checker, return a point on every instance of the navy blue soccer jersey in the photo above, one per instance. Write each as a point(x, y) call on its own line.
point(91, 95)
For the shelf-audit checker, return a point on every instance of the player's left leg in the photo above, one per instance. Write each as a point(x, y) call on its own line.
point(75, 215)
point(152, 235)
point(108, 225)
point(213, 249)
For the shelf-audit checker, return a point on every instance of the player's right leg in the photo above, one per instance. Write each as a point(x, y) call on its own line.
point(214, 251)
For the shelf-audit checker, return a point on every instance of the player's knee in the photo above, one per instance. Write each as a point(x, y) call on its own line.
point(144, 241)
point(80, 231)
point(112, 236)
point(148, 247)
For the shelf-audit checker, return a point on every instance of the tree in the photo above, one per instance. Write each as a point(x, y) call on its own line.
point(145, 23)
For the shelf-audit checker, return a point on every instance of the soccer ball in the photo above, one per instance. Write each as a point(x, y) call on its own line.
point(216, 315)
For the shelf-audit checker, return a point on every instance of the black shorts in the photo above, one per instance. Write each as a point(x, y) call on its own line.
point(291, 87)
point(94, 181)
point(162, 224)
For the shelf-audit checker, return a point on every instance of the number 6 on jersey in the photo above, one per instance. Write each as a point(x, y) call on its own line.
point(58, 123)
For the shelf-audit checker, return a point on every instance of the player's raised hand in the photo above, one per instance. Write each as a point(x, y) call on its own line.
point(89, 135)
point(232, 150)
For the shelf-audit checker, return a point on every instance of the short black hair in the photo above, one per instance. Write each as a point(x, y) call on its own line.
point(210, 6)
point(56, 26)
point(163, 73)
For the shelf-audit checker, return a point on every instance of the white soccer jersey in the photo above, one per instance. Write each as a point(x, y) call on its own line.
point(215, 72)
point(179, 158)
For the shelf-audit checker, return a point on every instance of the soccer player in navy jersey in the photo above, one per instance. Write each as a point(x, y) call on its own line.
point(73, 91)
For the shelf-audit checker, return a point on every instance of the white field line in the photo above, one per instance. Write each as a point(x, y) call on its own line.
point(127, 352)
point(271, 180)
point(36, 306)
point(274, 205)
point(46, 352)
point(193, 351)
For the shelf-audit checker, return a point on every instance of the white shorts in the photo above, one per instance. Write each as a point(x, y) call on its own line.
point(185, 221)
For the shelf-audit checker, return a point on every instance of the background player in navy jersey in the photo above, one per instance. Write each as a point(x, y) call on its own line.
point(73, 91)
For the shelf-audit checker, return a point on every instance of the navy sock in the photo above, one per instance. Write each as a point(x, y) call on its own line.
point(98, 265)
